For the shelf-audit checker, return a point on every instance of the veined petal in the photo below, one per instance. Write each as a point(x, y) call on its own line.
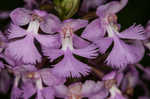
point(78, 42)
point(124, 53)
point(69, 66)
point(93, 31)
point(88, 52)
point(24, 50)
point(26, 92)
point(15, 32)
point(50, 79)
point(48, 93)
point(133, 32)
point(103, 44)
point(16, 93)
point(46, 40)
point(76, 24)
point(20, 16)
point(50, 24)
point(52, 53)
point(111, 8)
point(88, 4)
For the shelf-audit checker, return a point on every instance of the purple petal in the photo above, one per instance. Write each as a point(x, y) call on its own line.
point(88, 4)
point(117, 96)
point(46, 40)
point(124, 53)
point(48, 93)
point(76, 24)
point(15, 31)
point(101, 95)
point(39, 95)
point(103, 44)
point(93, 31)
point(20, 16)
point(24, 50)
point(49, 78)
point(28, 90)
point(88, 52)
point(87, 87)
point(119, 78)
point(16, 93)
point(110, 76)
point(78, 42)
point(52, 53)
point(111, 8)
point(69, 66)
point(133, 32)
point(50, 24)
point(61, 91)
point(90, 87)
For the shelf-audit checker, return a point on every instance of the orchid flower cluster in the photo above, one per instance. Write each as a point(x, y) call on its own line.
point(40, 53)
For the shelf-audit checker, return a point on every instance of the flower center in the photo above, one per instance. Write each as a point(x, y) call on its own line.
point(112, 26)
point(66, 37)
point(33, 27)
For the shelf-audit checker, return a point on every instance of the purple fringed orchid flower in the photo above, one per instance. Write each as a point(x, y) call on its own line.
point(25, 45)
point(125, 52)
point(71, 44)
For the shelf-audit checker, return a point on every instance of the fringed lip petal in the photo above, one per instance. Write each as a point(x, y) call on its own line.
point(20, 16)
point(93, 31)
point(16, 32)
point(50, 24)
point(133, 32)
point(20, 48)
point(125, 53)
point(90, 51)
point(69, 66)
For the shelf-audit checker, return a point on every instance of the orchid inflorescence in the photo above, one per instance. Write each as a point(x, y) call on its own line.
point(46, 55)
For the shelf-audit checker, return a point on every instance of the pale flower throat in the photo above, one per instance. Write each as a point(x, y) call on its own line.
point(33, 27)
point(66, 37)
